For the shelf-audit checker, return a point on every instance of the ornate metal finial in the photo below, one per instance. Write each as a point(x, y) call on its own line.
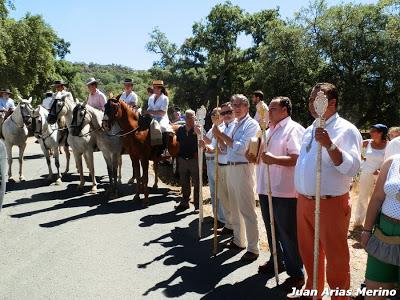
point(320, 106)
point(262, 111)
point(201, 115)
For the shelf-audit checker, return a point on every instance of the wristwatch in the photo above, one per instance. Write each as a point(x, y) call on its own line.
point(332, 147)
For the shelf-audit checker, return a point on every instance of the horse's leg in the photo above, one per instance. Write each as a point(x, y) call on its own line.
point(132, 180)
point(136, 168)
point(155, 168)
point(46, 153)
point(68, 156)
point(9, 159)
point(56, 156)
point(79, 167)
point(90, 164)
point(116, 160)
point(21, 161)
point(145, 181)
point(119, 170)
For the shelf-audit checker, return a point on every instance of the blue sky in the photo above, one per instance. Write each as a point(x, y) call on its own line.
point(117, 31)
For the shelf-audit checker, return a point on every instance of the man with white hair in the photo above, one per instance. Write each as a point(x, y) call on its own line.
point(241, 178)
point(187, 161)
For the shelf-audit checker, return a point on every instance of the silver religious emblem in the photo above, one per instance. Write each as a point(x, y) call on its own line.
point(320, 106)
point(201, 115)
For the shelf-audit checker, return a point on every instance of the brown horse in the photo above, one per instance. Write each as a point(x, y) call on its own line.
point(136, 140)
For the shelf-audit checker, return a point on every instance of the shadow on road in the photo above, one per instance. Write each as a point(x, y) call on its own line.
point(202, 278)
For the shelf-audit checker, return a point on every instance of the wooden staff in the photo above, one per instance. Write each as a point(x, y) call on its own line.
point(269, 191)
point(320, 105)
point(215, 239)
point(200, 114)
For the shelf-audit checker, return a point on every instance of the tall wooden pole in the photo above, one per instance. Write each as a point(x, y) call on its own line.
point(215, 239)
point(320, 105)
point(200, 116)
point(269, 192)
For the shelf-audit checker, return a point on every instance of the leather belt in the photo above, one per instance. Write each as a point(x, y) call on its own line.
point(390, 219)
point(187, 158)
point(210, 158)
point(231, 163)
point(222, 165)
point(322, 196)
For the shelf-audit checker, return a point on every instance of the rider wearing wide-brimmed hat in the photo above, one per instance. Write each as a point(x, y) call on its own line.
point(129, 96)
point(6, 103)
point(60, 89)
point(96, 98)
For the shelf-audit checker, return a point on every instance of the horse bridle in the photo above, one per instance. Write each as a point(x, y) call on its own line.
point(109, 122)
point(55, 107)
point(80, 126)
point(24, 117)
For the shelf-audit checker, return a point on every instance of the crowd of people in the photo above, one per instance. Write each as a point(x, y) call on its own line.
point(284, 169)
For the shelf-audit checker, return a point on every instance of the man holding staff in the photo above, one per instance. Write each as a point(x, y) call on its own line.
point(241, 179)
point(284, 141)
point(341, 159)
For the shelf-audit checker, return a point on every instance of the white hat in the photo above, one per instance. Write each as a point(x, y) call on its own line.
point(91, 80)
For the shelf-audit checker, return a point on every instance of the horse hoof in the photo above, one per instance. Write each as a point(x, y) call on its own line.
point(11, 179)
point(119, 181)
point(21, 178)
point(79, 188)
point(131, 181)
point(58, 181)
point(137, 197)
point(155, 186)
point(93, 190)
point(145, 203)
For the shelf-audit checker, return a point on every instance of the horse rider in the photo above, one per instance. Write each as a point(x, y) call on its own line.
point(96, 98)
point(60, 89)
point(157, 107)
point(129, 96)
point(7, 104)
point(47, 102)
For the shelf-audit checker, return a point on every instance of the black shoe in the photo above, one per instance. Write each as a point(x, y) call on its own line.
point(249, 256)
point(182, 206)
point(225, 231)
point(220, 224)
point(292, 282)
point(268, 268)
point(231, 245)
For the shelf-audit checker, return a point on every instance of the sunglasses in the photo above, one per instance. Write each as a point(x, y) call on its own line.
point(224, 113)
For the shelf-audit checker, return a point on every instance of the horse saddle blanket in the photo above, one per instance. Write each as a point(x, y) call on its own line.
point(155, 133)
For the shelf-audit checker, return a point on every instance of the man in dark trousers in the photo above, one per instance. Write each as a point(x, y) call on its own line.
point(187, 161)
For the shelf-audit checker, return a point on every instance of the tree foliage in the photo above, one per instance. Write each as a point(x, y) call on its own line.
point(353, 46)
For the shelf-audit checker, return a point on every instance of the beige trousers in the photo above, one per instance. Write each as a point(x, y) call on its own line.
point(241, 184)
point(223, 195)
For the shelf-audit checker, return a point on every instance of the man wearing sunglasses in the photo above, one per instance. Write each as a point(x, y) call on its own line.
point(241, 179)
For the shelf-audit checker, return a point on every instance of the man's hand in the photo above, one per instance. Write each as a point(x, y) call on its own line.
point(322, 137)
point(250, 157)
point(202, 144)
point(197, 129)
point(216, 132)
point(268, 158)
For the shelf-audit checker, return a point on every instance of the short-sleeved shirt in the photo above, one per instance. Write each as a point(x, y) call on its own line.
point(393, 147)
point(97, 100)
point(241, 134)
point(6, 104)
point(187, 142)
point(131, 98)
point(160, 104)
point(257, 116)
point(284, 139)
point(47, 102)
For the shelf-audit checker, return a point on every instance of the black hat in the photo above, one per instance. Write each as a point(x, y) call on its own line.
point(128, 81)
point(48, 94)
point(59, 82)
point(258, 93)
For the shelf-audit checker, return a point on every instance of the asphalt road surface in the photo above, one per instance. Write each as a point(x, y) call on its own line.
point(58, 243)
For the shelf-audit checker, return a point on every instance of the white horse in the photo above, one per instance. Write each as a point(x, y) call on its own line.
point(47, 135)
point(3, 169)
point(15, 132)
point(87, 121)
point(63, 107)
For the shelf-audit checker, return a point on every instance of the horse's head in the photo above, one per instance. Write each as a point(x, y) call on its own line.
point(37, 122)
point(26, 110)
point(80, 119)
point(112, 112)
point(57, 109)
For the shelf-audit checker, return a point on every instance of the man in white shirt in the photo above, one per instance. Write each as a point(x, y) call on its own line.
point(241, 179)
point(280, 149)
point(258, 101)
point(341, 158)
point(129, 96)
point(6, 103)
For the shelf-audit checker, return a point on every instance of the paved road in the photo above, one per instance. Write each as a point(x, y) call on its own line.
point(57, 243)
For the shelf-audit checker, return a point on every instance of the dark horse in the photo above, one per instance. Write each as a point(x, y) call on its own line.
point(136, 140)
